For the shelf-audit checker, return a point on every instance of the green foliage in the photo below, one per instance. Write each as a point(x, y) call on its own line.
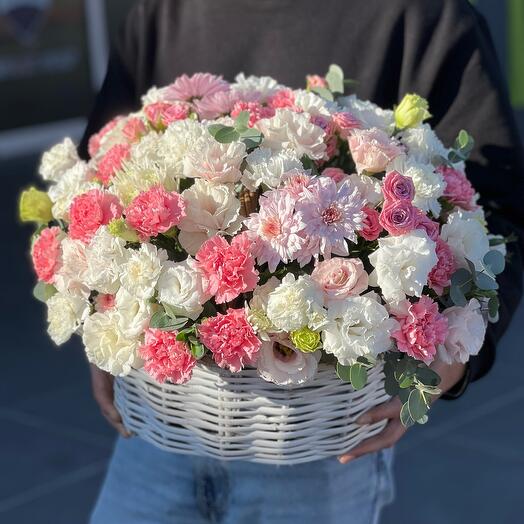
point(335, 79)
point(356, 374)
point(323, 92)
point(43, 291)
point(239, 131)
point(162, 320)
point(462, 147)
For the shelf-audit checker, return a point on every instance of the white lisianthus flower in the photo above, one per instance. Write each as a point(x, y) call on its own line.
point(358, 327)
point(466, 332)
point(257, 311)
point(467, 239)
point(213, 161)
point(105, 255)
point(58, 160)
point(267, 167)
point(402, 264)
point(65, 314)
point(263, 86)
point(313, 104)
point(290, 130)
point(106, 345)
point(180, 286)
point(423, 144)
point(368, 187)
point(134, 314)
point(71, 276)
point(296, 303)
point(279, 362)
point(369, 113)
point(210, 210)
point(140, 273)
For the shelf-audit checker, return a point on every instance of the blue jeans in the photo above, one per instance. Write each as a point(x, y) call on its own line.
point(145, 485)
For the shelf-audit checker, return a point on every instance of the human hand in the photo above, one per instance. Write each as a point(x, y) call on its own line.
point(395, 430)
point(102, 385)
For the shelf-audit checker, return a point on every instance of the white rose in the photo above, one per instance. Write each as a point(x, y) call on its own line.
point(257, 310)
point(65, 313)
point(466, 332)
point(134, 314)
point(423, 144)
point(71, 276)
point(140, 273)
point(402, 264)
point(106, 345)
point(358, 327)
point(467, 239)
point(180, 286)
point(210, 210)
point(369, 114)
point(58, 160)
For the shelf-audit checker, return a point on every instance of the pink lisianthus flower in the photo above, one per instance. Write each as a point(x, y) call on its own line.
point(440, 276)
point(345, 122)
point(459, 190)
point(231, 339)
point(431, 227)
point(316, 81)
point(335, 173)
point(371, 225)
point(282, 99)
point(134, 129)
point(104, 302)
point(227, 270)
point(91, 210)
point(340, 278)
point(161, 114)
point(46, 254)
point(197, 86)
point(166, 358)
point(422, 328)
point(255, 109)
point(155, 211)
point(398, 217)
point(372, 149)
point(398, 187)
point(112, 162)
point(95, 141)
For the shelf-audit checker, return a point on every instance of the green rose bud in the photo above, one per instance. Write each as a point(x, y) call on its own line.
point(411, 111)
point(119, 228)
point(35, 206)
point(305, 339)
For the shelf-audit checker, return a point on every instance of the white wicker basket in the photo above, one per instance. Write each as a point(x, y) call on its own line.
point(242, 417)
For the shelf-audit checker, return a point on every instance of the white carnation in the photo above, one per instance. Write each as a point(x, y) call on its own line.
point(65, 313)
point(313, 104)
point(71, 276)
point(134, 314)
point(402, 264)
point(58, 160)
point(264, 86)
point(154, 95)
point(369, 114)
point(257, 310)
point(423, 144)
point(368, 187)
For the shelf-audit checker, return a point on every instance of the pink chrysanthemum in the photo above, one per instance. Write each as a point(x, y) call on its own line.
point(459, 190)
point(215, 105)
point(440, 275)
point(200, 85)
point(166, 358)
point(161, 114)
point(231, 339)
point(96, 140)
point(112, 162)
point(275, 228)
point(295, 181)
point(46, 254)
point(134, 129)
point(255, 109)
point(227, 269)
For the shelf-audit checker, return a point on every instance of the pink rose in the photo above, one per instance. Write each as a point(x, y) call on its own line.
point(283, 98)
point(155, 211)
point(345, 123)
point(231, 339)
point(431, 227)
point(335, 173)
point(422, 328)
point(459, 190)
point(112, 162)
point(166, 358)
point(134, 129)
point(372, 228)
point(440, 275)
point(372, 149)
point(398, 217)
point(227, 270)
point(398, 187)
point(104, 302)
point(161, 114)
point(96, 140)
point(255, 109)
point(340, 278)
point(91, 210)
point(46, 254)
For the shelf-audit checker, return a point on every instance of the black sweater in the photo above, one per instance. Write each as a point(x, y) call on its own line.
point(440, 49)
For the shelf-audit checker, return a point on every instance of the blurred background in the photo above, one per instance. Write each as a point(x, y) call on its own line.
point(466, 466)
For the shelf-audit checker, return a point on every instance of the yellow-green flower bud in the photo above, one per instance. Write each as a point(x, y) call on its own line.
point(119, 228)
point(411, 111)
point(35, 206)
point(305, 339)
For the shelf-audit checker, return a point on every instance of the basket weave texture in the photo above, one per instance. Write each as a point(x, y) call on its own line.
point(242, 417)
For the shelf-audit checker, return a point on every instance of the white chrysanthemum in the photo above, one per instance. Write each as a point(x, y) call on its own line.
point(105, 255)
point(296, 303)
point(368, 187)
point(210, 209)
point(140, 273)
point(65, 314)
point(422, 143)
point(154, 95)
point(402, 264)
point(429, 185)
point(265, 166)
point(313, 104)
point(58, 160)
point(257, 310)
point(466, 238)
point(358, 327)
point(263, 86)
point(369, 114)
point(290, 130)
point(106, 345)
point(134, 314)
point(73, 182)
point(71, 276)
point(180, 286)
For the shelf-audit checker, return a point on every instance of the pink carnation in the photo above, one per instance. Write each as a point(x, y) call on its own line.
point(96, 140)
point(161, 114)
point(345, 122)
point(255, 109)
point(335, 173)
point(459, 190)
point(422, 328)
point(46, 254)
point(372, 149)
point(398, 217)
point(155, 211)
point(431, 227)
point(231, 339)
point(440, 276)
point(166, 358)
point(372, 228)
point(104, 302)
point(112, 162)
point(227, 270)
point(316, 81)
point(398, 187)
point(340, 278)
point(197, 86)
point(282, 99)
point(134, 129)
point(324, 123)
point(91, 210)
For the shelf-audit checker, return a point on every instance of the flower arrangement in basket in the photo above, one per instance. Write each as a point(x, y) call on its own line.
point(267, 228)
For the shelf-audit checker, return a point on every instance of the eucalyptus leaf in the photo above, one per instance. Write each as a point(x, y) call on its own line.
point(323, 92)
point(457, 296)
point(335, 79)
point(343, 372)
point(461, 277)
point(494, 261)
point(485, 282)
point(43, 291)
point(358, 375)
point(241, 121)
point(224, 134)
point(405, 416)
point(417, 404)
point(493, 307)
